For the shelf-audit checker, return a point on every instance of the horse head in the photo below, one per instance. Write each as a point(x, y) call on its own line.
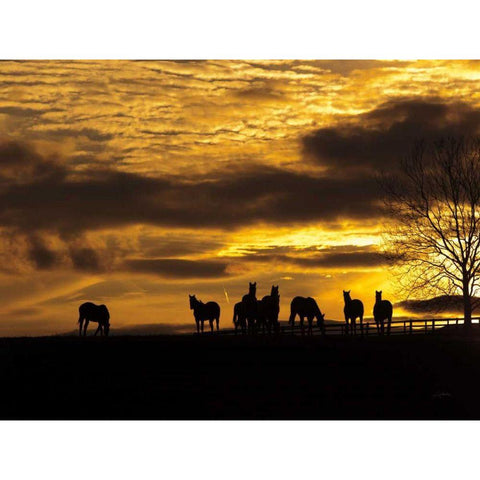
point(252, 288)
point(346, 295)
point(320, 319)
point(193, 301)
point(274, 291)
point(378, 296)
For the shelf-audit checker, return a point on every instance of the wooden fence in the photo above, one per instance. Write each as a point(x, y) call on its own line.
point(413, 326)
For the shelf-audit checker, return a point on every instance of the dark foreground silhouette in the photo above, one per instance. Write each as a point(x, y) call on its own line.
point(352, 310)
point(240, 377)
point(89, 312)
point(382, 310)
point(204, 311)
point(306, 308)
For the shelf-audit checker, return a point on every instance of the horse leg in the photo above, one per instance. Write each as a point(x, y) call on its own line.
point(85, 327)
point(382, 325)
point(389, 325)
point(202, 325)
point(211, 324)
point(81, 325)
point(217, 321)
point(361, 325)
point(99, 328)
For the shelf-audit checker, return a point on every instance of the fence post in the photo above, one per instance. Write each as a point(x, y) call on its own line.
point(433, 325)
point(404, 327)
point(368, 325)
point(411, 327)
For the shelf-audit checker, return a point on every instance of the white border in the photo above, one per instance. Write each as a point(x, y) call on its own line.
point(238, 450)
point(252, 29)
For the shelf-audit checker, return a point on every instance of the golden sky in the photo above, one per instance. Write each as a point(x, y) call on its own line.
point(135, 183)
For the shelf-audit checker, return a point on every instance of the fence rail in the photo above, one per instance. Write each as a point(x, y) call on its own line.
point(413, 326)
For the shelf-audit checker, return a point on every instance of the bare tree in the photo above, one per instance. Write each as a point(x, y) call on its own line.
point(434, 203)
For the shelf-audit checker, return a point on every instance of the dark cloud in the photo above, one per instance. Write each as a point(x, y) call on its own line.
point(52, 197)
point(341, 260)
point(343, 256)
point(172, 245)
point(379, 138)
point(21, 164)
point(20, 111)
point(91, 133)
point(86, 259)
point(42, 257)
point(259, 91)
point(178, 268)
point(444, 303)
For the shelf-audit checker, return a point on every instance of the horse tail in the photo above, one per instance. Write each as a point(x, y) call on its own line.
point(235, 315)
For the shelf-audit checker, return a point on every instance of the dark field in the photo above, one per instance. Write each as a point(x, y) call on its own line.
point(219, 377)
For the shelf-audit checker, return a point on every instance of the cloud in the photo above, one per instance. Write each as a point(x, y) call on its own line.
point(86, 259)
point(92, 134)
point(178, 268)
point(21, 164)
point(42, 257)
point(444, 303)
point(51, 196)
point(379, 138)
point(342, 256)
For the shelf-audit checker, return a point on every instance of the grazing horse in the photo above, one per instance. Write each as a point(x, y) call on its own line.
point(204, 311)
point(250, 306)
point(239, 317)
point(352, 310)
point(89, 312)
point(382, 311)
point(306, 307)
point(268, 311)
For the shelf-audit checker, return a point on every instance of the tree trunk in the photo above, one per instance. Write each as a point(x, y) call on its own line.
point(467, 308)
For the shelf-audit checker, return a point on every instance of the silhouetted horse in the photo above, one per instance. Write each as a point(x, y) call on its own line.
point(306, 307)
point(268, 311)
point(239, 317)
point(382, 311)
point(353, 309)
point(250, 306)
point(89, 312)
point(204, 311)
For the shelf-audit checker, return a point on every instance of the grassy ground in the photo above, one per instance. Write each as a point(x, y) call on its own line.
point(215, 377)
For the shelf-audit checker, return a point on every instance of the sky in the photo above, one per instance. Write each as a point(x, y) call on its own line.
point(137, 183)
